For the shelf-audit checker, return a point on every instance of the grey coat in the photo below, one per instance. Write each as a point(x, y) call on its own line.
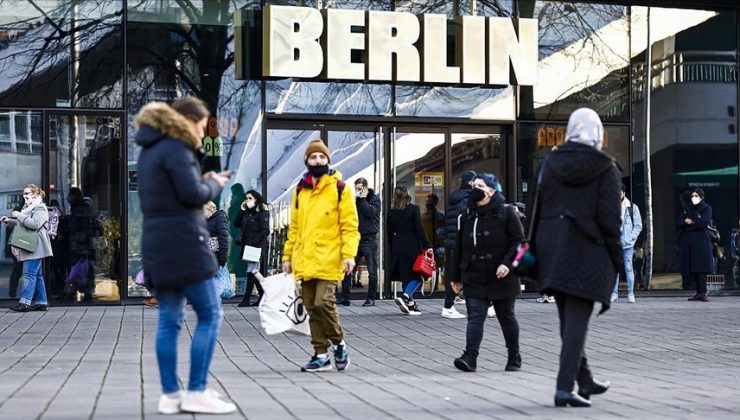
point(36, 221)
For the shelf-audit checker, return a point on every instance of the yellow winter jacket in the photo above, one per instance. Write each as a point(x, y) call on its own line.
point(323, 230)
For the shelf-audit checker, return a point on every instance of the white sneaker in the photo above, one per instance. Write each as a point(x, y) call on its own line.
point(551, 299)
point(168, 405)
point(205, 402)
point(452, 313)
point(491, 312)
point(613, 298)
point(631, 298)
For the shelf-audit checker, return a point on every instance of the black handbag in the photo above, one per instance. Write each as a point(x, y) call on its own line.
point(713, 233)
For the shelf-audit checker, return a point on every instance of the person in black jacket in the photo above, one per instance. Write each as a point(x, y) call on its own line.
point(577, 244)
point(486, 243)
point(456, 204)
point(697, 259)
point(218, 232)
point(176, 259)
point(368, 212)
point(254, 222)
point(407, 240)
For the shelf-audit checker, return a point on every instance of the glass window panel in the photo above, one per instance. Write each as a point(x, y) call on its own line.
point(291, 96)
point(693, 143)
point(20, 164)
point(479, 103)
point(61, 53)
point(584, 57)
point(356, 154)
point(85, 189)
point(479, 152)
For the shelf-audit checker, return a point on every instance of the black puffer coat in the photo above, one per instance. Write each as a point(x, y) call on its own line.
point(174, 243)
point(693, 240)
point(407, 239)
point(218, 227)
point(497, 232)
point(455, 205)
point(255, 231)
point(577, 228)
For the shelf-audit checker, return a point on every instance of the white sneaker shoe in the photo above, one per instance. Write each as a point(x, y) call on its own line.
point(551, 299)
point(452, 313)
point(613, 298)
point(631, 298)
point(491, 312)
point(205, 402)
point(169, 405)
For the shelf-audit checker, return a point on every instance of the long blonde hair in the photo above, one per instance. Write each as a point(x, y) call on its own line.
point(401, 198)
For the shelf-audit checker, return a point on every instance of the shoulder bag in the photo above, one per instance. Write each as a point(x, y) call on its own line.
point(24, 238)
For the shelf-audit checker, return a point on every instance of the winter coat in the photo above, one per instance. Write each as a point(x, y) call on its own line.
point(83, 227)
point(323, 229)
point(577, 226)
point(407, 239)
point(488, 237)
point(218, 227)
point(693, 240)
point(368, 211)
point(631, 225)
point(35, 221)
point(456, 204)
point(255, 231)
point(174, 243)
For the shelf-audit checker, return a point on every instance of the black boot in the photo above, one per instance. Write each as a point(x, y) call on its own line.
point(564, 398)
point(587, 385)
point(466, 362)
point(514, 363)
point(245, 301)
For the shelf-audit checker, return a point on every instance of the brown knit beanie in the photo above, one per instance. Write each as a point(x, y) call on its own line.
point(316, 145)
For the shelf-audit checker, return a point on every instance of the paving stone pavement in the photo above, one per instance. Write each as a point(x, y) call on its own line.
point(666, 358)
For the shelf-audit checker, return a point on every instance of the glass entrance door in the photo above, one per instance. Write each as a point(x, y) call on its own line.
point(85, 191)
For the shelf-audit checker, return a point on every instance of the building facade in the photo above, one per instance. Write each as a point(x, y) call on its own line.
point(76, 72)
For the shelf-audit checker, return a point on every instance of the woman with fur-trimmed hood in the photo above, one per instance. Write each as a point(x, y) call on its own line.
point(176, 258)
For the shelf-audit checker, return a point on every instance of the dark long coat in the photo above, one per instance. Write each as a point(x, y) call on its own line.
point(407, 239)
point(174, 243)
point(498, 232)
point(218, 227)
point(577, 226)
point(255, 231)
point(693, 240)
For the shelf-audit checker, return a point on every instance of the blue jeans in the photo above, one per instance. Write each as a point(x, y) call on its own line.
point(628, 271)
point(34, 289)
point(411, 287)
point(206, 302)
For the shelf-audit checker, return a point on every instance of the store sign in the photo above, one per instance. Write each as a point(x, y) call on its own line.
point(303, 42)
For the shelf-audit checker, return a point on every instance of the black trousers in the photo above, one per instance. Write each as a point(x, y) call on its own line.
point(701, 283)
point(477, 314)
point(449, 293)
point(368, 248)
point(574, 314)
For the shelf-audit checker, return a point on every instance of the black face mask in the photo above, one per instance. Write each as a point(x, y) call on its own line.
point(476, 195)
point(318, 170)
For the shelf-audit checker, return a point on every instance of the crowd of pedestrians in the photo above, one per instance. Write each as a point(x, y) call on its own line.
point(581, 217)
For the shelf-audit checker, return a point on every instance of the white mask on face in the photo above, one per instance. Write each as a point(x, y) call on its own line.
point(695, 200)
point(250, 204)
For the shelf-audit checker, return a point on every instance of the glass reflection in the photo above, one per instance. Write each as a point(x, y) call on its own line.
point(61, 53)
point(20, 164)
point(585, 48)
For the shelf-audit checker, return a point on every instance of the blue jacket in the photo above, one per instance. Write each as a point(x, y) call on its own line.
point(174, 244)
point(631, 226)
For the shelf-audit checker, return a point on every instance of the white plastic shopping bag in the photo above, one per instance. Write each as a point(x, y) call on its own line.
point(281, 307)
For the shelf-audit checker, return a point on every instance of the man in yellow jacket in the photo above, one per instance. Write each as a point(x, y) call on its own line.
point(322, 242)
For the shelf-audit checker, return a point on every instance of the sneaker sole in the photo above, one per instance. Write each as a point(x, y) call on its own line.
point(343, 368)
point(463, 366)
point(401, 305)
point(414, 313)
point(321, 369)
point(201, 410)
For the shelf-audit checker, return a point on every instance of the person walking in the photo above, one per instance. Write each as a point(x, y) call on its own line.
point(34, 216)
point(697, 258)
point(322, 242)
point(407, 240)
point(577, 244)
point(490, 232)
point(631, 228)
point(176, 258)
point(735, 254)
point(456, 205)
point(368, 212)
point(253, 221)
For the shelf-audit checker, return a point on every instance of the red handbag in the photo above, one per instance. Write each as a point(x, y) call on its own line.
point(425, 264)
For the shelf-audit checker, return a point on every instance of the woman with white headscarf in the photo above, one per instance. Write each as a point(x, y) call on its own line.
point(577, 230)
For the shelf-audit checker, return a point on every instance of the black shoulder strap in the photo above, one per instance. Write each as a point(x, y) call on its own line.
point(340, 188)
point(632, 218)
point(535, 205)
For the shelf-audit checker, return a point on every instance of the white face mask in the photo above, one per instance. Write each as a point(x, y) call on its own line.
point(250, 204)
point(695, 200)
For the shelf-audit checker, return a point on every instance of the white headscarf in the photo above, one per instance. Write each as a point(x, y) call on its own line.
point(584, 126)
